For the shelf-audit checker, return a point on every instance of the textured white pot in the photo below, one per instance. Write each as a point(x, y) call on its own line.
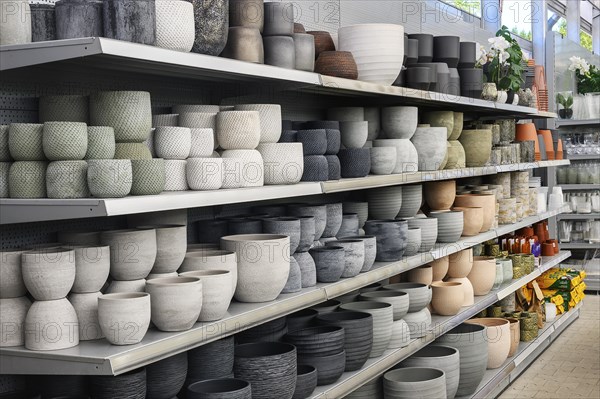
point(92, 266)
point(11, 277)
point(172, 142)
point(132, 252)
point(251, 170)
point(48, 273)
point(216, 293)
point(109, 178)
point(204, 173)
point(67, 179)
point(86, 307)
point(12, 316)
point(212, 259)
point(203, 143)
point(175, 172)
point(176, 302)
point(232, 172)
point(270, 120)
point(407, 157)
point(283, 162)
point(175, 27)
point(238, 130)
point(51, 325)
point(124, 317)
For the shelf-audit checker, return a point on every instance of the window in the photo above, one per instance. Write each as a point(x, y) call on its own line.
point(585, 40)
point(471, 6)
point(518, 15)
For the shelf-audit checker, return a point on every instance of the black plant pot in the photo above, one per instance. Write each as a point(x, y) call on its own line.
point(130, 385)
point(316, 168)
point(314, 141)
point(510, 96)
point(418, 78)
point(334, 141)
point(211, 230)
point(288, 136)
point(468, 55)
point(66, 386)
point(454, 83)
point(565, 113)
point(401, 79)
point(212, 26)
point(317, 341)
point(210, 361)
point(425, 46)
point(412, 52)
point(306, 381)
point(355, 162)
point(334, 167)
point(446, 49)
point(391, 238)
point(271, 331)
point(327, 306)
point(129, 20)
point(244, 226)
point(78, 18)
point(471, 82)
point(329, 368)
point(43, 22)
point(226, 388)
point(165, 378)
point(301, 319)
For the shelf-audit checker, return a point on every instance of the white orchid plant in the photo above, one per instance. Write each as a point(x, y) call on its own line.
point(580, 65)
point(505, 60)
point(588, 76)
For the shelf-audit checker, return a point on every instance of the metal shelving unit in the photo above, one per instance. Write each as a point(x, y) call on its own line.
point(571, 187)
point(578, 216)
point(576, 122)
point(581, 157)
point(580, 245)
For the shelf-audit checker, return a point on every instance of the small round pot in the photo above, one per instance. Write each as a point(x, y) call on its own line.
point(460, 263)
point(148, 176)
point(86, 307)
point(391, 238)
point(59, 314)
point(478, 146)
point(370, 250)
point(419, 295)
point(431, 146)
point(329, 263)
point(27, 179)
point(203, 142)
point(176, 302)
point(64, 140)
point(211, 259)
point(304, 45)
point(399, 122)
point(319, 212)
point(498, 339)
point(354, 257)
point(128, 112)
point(280, 51)
point(109, 178)
point(216, 292)
point(407, 158)
point(204, 173)
point(429, 232)
point(244, 44)
point(482, 274)
point(92, 264)
point(323, 42)
point(67, 179)
point(12, 315)
point(383, 160)
point(412, 198)
point(238, 129)
point(421, 275)
point(450, 225)
point(25, 141)
point(447, 297)
point(355, 162)
point(175, 25)
point(224, 388)
point(132, 151)
point(399, 300)
point(122, 257)
point(172, 142)
point(101, 142)
point(283, 162)
point(354, 134)
point(439, 268)
point(425, 53)
point(445, 358)
point(485, 201)
point(314, 141)
point(473, 220)
point(48, 274)
point(340, 64)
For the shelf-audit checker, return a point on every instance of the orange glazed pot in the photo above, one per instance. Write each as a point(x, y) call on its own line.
point(547, 135)
point(527, 132)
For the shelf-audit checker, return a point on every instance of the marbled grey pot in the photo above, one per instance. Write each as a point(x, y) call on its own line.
point(334, 141)
point(130, 20)
point(79, 18)
point(211, 231)
point(412, 198)
point(391, 238)
point(334, 220)
point(355, 162)
point(288, 136)
point(306, 382)
point(370, 250)
point(304, 45)
point(286, 226)
point(314, 141)
point(222, 388)
point(445, 358)
point(334, 167)
point(294, 281)
point(349, 225)
point(329, 263)
point(308, 269)
point(307, 233)
point(316, 168)
point(279, 19)
point(280, 51)
point(211, 19)
point(354, 257)
point(318, 211)
point(43, 22)
point(301, 319)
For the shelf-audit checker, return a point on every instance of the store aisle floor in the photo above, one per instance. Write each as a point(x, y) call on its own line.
point(570, 367)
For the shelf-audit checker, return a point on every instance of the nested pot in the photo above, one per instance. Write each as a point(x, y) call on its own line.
point(25, 141)
point(385, 202)
point(48, 274)
point(131, 247)
point(498, 336)
point(279, 51)
point(383, 160)
point(485, 201)
point(412, 198)
point(175, 25)
point(445, 358)
point(425, 53)
point(248, 13)
point(317, 341)
point(67, 179)
point(440, 119)
point(306, 381)
point(15, 26)
point(450, 225)
point(473, 220)
point(323, 42)
point(414, 241)
point(398, 299)
point(148, 176)
point(391, 236)
point(284, 163)
point(86, 307)
point(130, 20)
point(92, 266)
point(285, 226)
point(334, 219)
point(419, 294)
point(478, 146)
point(11, 276)
point(101, 142)
point(419, 322)
point(471, 82)
point(279, 19)
point(27, 179)
point(431, 146)
point(400, 335)
point(221, 388)
point(12, 316)
point(176, 302)
point(128, 112)
point(319, 212)
point(304, 45)
point(329, 263)
point(76, 18)
point(483, 274)
point(329, 368)
point(307, 233)
point(198, 117)
point(326, 307)
point(354, 257)
point(447, 297)
point(308, 269)
point(213, 360)
point(360, 208)
point(166, 377)
point(171, 244)
point(216, 292)
point(129, 385)
point(407, 157)
point(244, 44)
point(429, 231)
point(58, 313)
point(349, 226)
point(172, 142)
point(399, 122)
point(370, 250)
point(421, 275)
point(203, 142)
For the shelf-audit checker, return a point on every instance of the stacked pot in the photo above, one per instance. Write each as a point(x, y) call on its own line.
point(14, 303)
point(471, 77)
point(519, 189)
point(441, 357)
point(440, 196)
point(399, 300)
point(453, 121)
point(460, 265)
point(399, 125)
point(477, 144)
point(355, 155)
point(418, 317)
point(26, 176)
point(175, 25)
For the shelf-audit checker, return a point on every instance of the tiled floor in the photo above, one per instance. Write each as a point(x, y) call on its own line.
point(570, 367)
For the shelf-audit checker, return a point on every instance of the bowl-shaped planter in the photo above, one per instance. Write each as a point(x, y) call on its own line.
point(334, 220)
point(440, 119)
point(224, 388)
point(439, 268)
point(482, 274)
point(61, 315)
point(414, 241)
point(120, 15)
point(419, 322)
point(473, 220)
point(176, 302)
point(340, 64)
point(334, 140)
point(391, 236)
point(304, 45)
point(478, 146)
point(86, 307)
point(280, 51)
point(431, 146)
point(272, 331)
point(128, 112)
point(284, 226)
point(450, 225)
point(421, 275)
point(69, 108)
point(27, 179)
point(412, 198)
point(440, 195)
point(349, 226)
point(213, 360)
point(360, 208)
point(307, 233)
point(12, 315)
point(385, 202)
point(306, 381)
point(317, 340)
point(262, 274)
point(166, 377)
point(329, 263)
point(67, 179)
point(323, 42)
point(354, 257)
point(175, 25)
point(467, 287)
point(92, 266)
point(399, 122)
point(132, 252)
point(370, 250)
point(419, 295)
point(270, 367)
point(398, 299)
point(383, 160)
point(48, 273)
point(270, 120)
point(25, 141)
point(319, 212)
point(204, 173)
point(308, 270)
point(485, 201)
point(284, 163)
point(172, 142)
point(407, 157)
point(445, 358)
point(238, 129)
point(354, 134)
point(429, 231)
point(244, 44)
point(249, 172)
point(101, 142)
point(460, 263)
point(11, 277)
point(148, 176)
point(355, 162)
point(109, 178)
point(329, 368)
point(447, 297)
point(216, 292)
point(128, 385)
point(15, 28)
point(498, 338)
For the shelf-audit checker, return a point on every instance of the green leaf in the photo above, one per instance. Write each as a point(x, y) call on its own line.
point(569, 103)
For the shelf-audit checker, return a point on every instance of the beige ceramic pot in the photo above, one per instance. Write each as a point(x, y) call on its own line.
point(515, 335)
point(472, 220)
point(440, 195)
point(478, 146)
point(468, 296)
point(483, 274)
point(447, 297)
point(175, 302)
point(498, 338)
point(422, 274)
point(485, 201)
point(460, 263)
point(440, 268)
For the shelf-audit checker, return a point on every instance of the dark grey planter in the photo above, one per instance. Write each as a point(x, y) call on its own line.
point(405, 50)
point(314, 141)
point(43, 22)
point(321, 125)
point(48, 386)
point(279, 50)
point(454, 83)
point(349, 226)
point(211, 19)
point(468, 55)
point(279, 19)
point(166, 377)
point(308, 270)
point(271, 331)
point(225, 388)
point(334, 141)
point(326, 307)
point(425, 46)
point(329, 263)
point(317, 341)
point(419, 77)
point(211, 231)
point(392, 238)
point(329, 368)
point(301, 319)
point(334, 167)
point(78, 18)
point(284, 225)
point(286, 124)
point(316, 168)
point(213, 360)
point(412, 52)
point(443, 76)
point(355, 162)
point(272, 210)
point(288, 136)
point(130, 385)
point(471, 82)
point(334, 220)
point(129, 20)
point(294, 281)
point(446, 49)
point(306, 382)
point(244, 226)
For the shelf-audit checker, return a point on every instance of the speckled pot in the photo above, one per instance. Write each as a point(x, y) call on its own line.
point(120, 310)
point(355, 162)
point(101, 142)
point(75, 18)
point(122, 257)
point(25, 141)
point(62, 315)
point(211, 24)
point(308, 270)
point(86, 307)
point(67, 179)
point(130, 20)
point(12, 316)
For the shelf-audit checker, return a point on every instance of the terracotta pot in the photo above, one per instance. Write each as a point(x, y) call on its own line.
point(467, 288)
point(472, 220)
point(440, 195)
point(515, 335)
point(485, 201)
point(478, 146)
point(440, 268)
point(527, 132)
point(447, 297)
point(460, 263)
point(498, 338)
point(323, 42)
point(483, 274)
point(549, 144)
point(336, 63)
point(422, 274)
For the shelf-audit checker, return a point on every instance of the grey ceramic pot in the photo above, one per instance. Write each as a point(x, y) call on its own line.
point(244, 44)
point(383, 319)
point(391, 238)
point(318, 211)
point(349, 226)
point(284, 225)
point(334, 220)
point(307, 233)
point(471, 82)
point(316, 168)
point(308, 269)
point(468, 55)
point(442, 76)
point(43, 22)
point(441, 357)
point(279, 50)
point(244, 226)
point(306, 382)
point(411, 382)
point(329, 368)
point(471, 342)
point(67, 179)
point(165, 378)
point(419, 295)
point(446, 49)
point(412, 197)
point(329, 263)
point(223, 388)
point(301, 319)
point(414, 241)
point(314, 141)
point(148, 176)
point(101, 142)
point(279, 19)
point(454, 83)
point(27, 179)
point(429, 232)
point(317, 340)
point(304, 45)
point(212, 26)
point(78, 18)
point(334, 168)
point(431, 146)
point(354, 257)
point(294, 281)
point(425, 46)
point(419, 77)
point(130, 20)
point(370, 250)
point(355, 162)
point(419, 323)
point(247, 13)
point(334, 140)
point(213, 360)
point(412, 52)
point(450, 225)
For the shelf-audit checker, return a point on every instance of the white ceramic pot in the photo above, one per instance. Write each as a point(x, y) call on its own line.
point(172, 142)
point(176, 302)
point(407, 157)
point(204, 173)
point(128, 112)
point(204, 108)
point(354, 134)
point(270, 120)
point(48, 273)
point(431, 146)
point(175, 27)
point(498, 339)
point(11, 277)
point(418, 323)
point(171, 246)
point(175, 175)
point(92, 266)
point(116, 286)
point(132, 252)
point(211, 259)
point(232, 172)
point(203, 142)
point(251, 170)
point(67, 179)
point(399, 122)
point(124, 317)
point(109, 178)
point(198, 119)
point(51, 325)
point(216, 292)
point(86, 307)
point(263, 265)
point(12, 317)
point(400, 335)
point(283, 162)
point(152, 276)
point(238, 130)
point(15, 24)
point(384, 202)
point(378, 50)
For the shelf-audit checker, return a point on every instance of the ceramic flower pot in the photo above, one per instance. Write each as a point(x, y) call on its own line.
point(132, 252)
point(122, 311)
point(283, 162)
point(482, 275)
point(446, 49)
point(12, 315)
point(238, 129)
point(83, 18)
point(101, 142)
point(318, 168)
point(440, 195)
point(120, 15)
point(354, 134)
point(445, 358)
point(317, 340)
point(86, 307)
point(460, 263)
point(280, 51)
point(425, 47)
point(279, 19)
point(25, 141)
point(429, 232)
point(11, 277)
point(334, 219)
point(172, 142)
point(244, 44)
point(92, 265)
point(399, 122)
point(210, 38)
point(340, 64)
point(27, 179)
point(447, 297)
point(485, 201)
point(319, 212)
point(175, 175)
point(226, 388)
point(148, 176)
point(355, 162)
point(468, 55)
point(213, 360)
point(128, 112)
point(440, 119)
point(48, 274)
point(456, 155)
point(204, 173)
point(308, 272)
point(507, 130)
point(294, 281)
point(265, 282)
point(270, 120)
point(391, 238)
point(175, 25)
point(419, 77)
point(421, 275)
point(430, 143)
point(399, 300)
point(329, 263)
point(383, 42)
point(314, 141)
point(419, 294)
point(414, 241)
point(304, 45)
point(360, 208)
point(61, 314)
point(385, 202)
point(250, 172)
point(211, 259)
point(15, 27)
point(412, 197)
point(383, 318)
point(477, 145)
point(202, 142)
point(197, 116)
point(171, 244)
point(248, 13)
point(450, 225)
point(279, 379)
point(467, 288)
point(323, 42)
point(498, 338)
point(43, 25)
point(306, 381)
point(216, 292)
point(176, 302)
point(473, 220)
point(131, 286)
point(349, 226)
point(354, 255)
point(471, 82)
point(419, 323)
point(67, 179)
point(407, 157)
point(373, 117)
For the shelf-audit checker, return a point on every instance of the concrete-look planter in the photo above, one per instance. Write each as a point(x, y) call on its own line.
point(429, 231)
point(101, 142)
point(457, 126)
point(383, 160)
point(329, 263)
point(262, 276)
point(175, 175)
point(211, 20)
point(130, 20)
point(171, 245)
point(370, 250)
point(211, 259)
point(172, 142)
point(61, 314)
point(419, 295)
point(244, 44)
point(333, 220)
point(224, 388)
point(308, 269)
point(270, 120)
point(12, 316)
point(349, 226)
point(15, 25)
point(128, 112)
point(250, 172)
point(288, 226)
point(413, 241)
point(412, 197)
point(216, 292)
point(477, 145)
point(4, 149)
point(76, 18)
point(391, 238)
point(319, 212)
point(238, 129)
point(176, 302)
point(67, 179)
point(64, 108)
point(407, 157)
point(445, 358)
point(11, 277)
point(399, 122)
point(354, 134)
point(383, 319)
point(202, 142)
point(440, 119)
point(385, 202)
point(360, 208)
point(279, 51)
point(92, 266)
point(148, 176)
point(431, 146)
point(450, 225)
point(247, 13)
point(109, 178)
point(447, 297)
point(86, 307)
point(354, 257)
point(456, 155)
point(25, 141)
point(321, 168)
point(204, 173)
point(399, 300)
point(48, 273)
point(279, 19)
point(132, 252)
point(304, 44)
point(175, 25)
point(482, 274)
point(294, 281)
point(122, 311)
point(283, 162)
point(498, 339)
point(419, 322)
point(43, 22)
point(130, 286)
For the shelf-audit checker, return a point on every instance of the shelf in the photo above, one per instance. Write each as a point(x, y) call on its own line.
point(582, 157)
point(34, 210)
point(573, 122)
point(579, 245)
point(351, 381)
point(579, 216)
point(572, 187)
point(99, 357)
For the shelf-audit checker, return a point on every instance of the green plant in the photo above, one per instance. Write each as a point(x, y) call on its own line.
point(589, 82)
point(507, 61)
point(566, 102)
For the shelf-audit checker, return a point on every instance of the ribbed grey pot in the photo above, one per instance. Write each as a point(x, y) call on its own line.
point(412, 197)
point(370, 250)
point(471, 342)
point(431, 146)
point(441, 357)
point(429, 231)
point(211, 231)
point(371, 390)
point(165, 378)
point(307, 233)
point(78, 18)
point(398, 299)
point(294, 281)
point(301, 319)
point(391, 238)
point(414, 382)
point(318, 211)
point(211, 19)
point(360, 208)
point(419, 295)
point(67, 179)
point(306, 382)
point(280, 51)
point(43, 22)
point(130, 20)
point(414, 241)
point(354, 256)
point(284, 225)
point(223, 388)
point(349, 225)
point(213, 360)
point(383, 319)
point(308, 269)
point(329, 263)
point(334, 220)
point(329, 368)
point(450, 225)
point(317, 340)
point(419, 322)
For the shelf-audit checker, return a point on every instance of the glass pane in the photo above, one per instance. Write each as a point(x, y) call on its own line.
point(471, 6)
point(517, 16)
